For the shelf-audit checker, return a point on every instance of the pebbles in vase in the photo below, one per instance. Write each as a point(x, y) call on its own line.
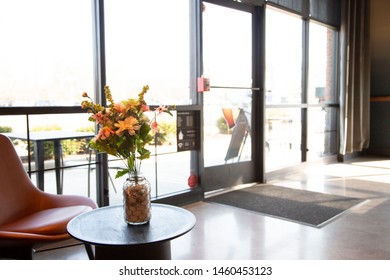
point(137, 204)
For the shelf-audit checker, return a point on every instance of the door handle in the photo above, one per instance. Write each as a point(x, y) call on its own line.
point(250, 88)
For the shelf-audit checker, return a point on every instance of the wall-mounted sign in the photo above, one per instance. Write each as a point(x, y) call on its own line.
point(187, 130)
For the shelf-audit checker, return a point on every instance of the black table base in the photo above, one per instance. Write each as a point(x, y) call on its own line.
point(153, 251)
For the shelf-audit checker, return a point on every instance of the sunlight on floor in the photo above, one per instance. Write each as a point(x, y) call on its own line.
point(384, 164)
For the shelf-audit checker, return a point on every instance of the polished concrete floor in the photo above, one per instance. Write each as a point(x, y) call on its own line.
point(226, 233)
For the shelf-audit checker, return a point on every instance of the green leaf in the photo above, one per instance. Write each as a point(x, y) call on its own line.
point(121, 173)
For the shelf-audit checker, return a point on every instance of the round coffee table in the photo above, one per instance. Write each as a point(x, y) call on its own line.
point(114, 239)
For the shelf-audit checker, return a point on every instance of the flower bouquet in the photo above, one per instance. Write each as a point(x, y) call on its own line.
point(125, 130)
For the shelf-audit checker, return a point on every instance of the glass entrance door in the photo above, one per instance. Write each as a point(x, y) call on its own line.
point(227, 106)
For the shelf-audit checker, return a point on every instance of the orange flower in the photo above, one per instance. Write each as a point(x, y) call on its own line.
point(130, 124)
point(119, 108)
point(100, 118)
point(85, 104)
point(154, 126)
point(145, 108)
point(105, 132)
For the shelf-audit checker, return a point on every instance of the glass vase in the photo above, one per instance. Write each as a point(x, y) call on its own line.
point(136, 200)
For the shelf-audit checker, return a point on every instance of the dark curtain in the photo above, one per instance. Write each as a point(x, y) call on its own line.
point(354, 76)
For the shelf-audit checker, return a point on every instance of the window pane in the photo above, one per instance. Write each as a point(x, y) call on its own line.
point(11, 124)
point(283, 58)
point(322, 132)
point(167, 173)
point(147, 43)
point(283, 127)
point(62, 138)
point(322, 64)
point(227, 117)
point(282, 138)
point(227, 50)
point(45, 52)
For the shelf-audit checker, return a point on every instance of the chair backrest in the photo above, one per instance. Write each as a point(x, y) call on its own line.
point(18, 195)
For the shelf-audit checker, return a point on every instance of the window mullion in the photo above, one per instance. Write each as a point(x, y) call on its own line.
point(102, 188)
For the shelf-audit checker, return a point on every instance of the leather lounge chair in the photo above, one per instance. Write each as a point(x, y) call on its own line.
point(29, 216)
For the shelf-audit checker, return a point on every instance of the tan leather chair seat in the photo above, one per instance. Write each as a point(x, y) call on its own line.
point(49, 221)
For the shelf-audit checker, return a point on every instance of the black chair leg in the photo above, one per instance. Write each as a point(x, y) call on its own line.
point(89, 250)
point(18, 253)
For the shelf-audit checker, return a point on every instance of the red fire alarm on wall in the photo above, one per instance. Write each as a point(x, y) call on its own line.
point(203, 84)
point(192, 181)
